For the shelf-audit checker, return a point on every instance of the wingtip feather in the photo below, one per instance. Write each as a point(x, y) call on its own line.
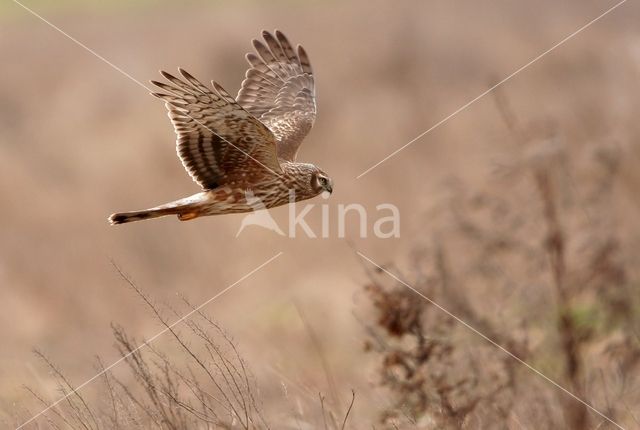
point(167, 75)
point(218, 87)
point(184, 73)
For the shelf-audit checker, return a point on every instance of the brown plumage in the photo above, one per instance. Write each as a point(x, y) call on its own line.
point(244, 146)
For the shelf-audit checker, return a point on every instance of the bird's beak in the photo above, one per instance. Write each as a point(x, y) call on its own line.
point(329, 188)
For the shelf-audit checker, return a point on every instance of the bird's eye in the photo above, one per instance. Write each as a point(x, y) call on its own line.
point(323, 180)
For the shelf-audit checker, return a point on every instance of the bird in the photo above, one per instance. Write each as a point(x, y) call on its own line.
point(247, 146)
point(260, 216)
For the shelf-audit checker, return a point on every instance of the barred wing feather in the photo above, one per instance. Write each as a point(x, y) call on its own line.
point(279, 90)
point(218, 141)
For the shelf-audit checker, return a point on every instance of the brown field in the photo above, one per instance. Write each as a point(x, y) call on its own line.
point(519, 215)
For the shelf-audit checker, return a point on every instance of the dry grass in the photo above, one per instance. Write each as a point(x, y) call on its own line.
point(207, 385)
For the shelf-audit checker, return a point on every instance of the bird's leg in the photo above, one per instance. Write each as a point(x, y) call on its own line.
point(187, 216)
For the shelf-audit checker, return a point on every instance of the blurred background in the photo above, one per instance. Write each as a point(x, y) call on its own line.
point(529, 197)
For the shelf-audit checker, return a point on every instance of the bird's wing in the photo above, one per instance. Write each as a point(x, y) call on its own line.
point(279, 90)
point(218, 141)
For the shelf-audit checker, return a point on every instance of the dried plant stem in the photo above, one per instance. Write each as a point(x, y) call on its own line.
point(346, 416)
point(555, 246)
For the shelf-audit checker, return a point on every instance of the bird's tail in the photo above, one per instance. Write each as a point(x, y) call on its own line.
point(186, 209)
point(124, 217)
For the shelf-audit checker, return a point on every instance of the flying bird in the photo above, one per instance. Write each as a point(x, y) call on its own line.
point(243, 146)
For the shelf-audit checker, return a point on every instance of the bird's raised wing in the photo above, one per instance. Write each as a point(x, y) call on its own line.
point(218, 141)
point(280, 92)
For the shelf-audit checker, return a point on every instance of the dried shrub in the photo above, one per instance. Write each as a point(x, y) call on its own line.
point(428, 365)
point(539, 262)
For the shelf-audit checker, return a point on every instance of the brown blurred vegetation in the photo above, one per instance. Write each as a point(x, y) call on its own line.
point(580, 325)
point(519, 215)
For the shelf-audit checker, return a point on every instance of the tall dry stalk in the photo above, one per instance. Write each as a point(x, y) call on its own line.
point(555, 246)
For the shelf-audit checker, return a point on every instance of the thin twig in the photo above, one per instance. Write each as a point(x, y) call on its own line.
point(353, 399)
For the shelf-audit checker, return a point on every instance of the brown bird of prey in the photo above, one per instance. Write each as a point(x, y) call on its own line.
point(244, 146)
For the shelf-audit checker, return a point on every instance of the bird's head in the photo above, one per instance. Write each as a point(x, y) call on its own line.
point(308, 180)
point(321, 182)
